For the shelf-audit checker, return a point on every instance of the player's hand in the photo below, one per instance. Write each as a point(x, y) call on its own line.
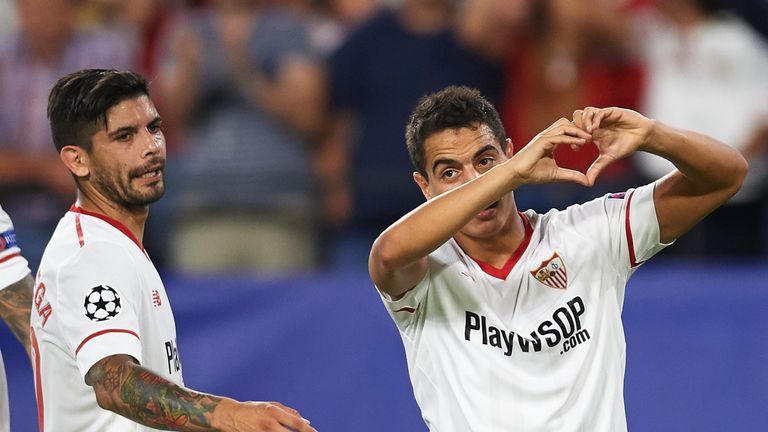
point(617, 133)
point(260, 417)
point(535, 163)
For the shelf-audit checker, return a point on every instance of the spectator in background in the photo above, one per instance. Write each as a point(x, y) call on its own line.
point(330, 20)
point(143, 20)
point(490, 26)
point(376, 77)
point(7, 17)
point(34, 187)
point(243, 90)
point(567, 55)
point(708, 71)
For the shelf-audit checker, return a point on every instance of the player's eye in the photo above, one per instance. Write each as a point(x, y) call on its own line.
point(449, 174)
point(124, 137)
point(485, 164)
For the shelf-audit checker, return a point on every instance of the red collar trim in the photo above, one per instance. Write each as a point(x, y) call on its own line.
point(502, 273)
point(122, 228)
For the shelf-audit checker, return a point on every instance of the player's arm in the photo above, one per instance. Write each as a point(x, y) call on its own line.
point(15, 307)
point(398, 256)
point(708, 171)
point(126, 388)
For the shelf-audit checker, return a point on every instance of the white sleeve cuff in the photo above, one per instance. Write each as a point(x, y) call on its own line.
point(105, 343)
point(12, 270)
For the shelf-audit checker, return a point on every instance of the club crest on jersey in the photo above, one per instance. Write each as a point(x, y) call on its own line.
point(102, 303)
point(552, 272)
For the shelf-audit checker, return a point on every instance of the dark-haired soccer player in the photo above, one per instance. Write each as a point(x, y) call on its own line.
point(511, 320)
point(103, 334)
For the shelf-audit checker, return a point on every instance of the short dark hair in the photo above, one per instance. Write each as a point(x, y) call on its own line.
point(78, 103)
point(451, 108)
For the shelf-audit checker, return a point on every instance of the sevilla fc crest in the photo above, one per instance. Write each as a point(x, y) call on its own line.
point(552, 272)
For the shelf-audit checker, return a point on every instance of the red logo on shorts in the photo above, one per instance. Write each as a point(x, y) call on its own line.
point(552, 272)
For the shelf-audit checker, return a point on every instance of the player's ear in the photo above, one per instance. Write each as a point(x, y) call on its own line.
point(423, 184)
point(509, 150)
point(76, 160)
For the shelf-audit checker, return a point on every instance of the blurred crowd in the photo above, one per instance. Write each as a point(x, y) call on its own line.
point(285, 118)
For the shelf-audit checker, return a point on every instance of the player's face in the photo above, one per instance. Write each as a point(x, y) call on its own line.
point(456, 156)
point(127, 158)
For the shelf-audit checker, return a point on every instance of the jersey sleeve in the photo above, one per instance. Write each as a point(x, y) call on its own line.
point(624, 225)
point(406, 310)
point(98, 304)
point(13, 266)
point(641, 226)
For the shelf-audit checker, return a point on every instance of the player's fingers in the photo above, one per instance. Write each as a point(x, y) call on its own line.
point(567, 140)
point(578, 119)
point(586, 119)
point(294, 422)
point(287, 408)
point(596, 168)
point(568, 129)
point(554, 127)
point(597, 118)
point(592, 118)
point(575, 131)
point(564, 174)
point(563, 134)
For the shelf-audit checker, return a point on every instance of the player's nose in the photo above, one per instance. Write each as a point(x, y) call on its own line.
point(152, 143)
point(471, 173)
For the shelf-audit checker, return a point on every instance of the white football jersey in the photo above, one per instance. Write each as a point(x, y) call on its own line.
point(97, 294)
point(13, 267)
point(538, 345)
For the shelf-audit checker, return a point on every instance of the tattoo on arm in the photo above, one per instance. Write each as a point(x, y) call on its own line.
point(15, 307)
point(123, 386)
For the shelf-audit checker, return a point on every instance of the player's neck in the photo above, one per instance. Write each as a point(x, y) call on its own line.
point(498, 248)
point(132, 218)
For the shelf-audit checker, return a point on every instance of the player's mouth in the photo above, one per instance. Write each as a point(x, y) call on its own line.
point(150, 174)
point(489, 211)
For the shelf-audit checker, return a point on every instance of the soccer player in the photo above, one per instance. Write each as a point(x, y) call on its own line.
point(15, 301)
point(511, 320)
point(103, 335)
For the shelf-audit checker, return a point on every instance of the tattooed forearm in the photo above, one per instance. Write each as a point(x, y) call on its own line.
point(158, 404)
point(134, 392)
point(15, 307)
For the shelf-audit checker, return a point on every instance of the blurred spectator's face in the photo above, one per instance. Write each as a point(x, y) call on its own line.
point(46, 23)
point(352, 11)
point(137, 13)
point(431, 3)
point(236, 4)
point(503, 12)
